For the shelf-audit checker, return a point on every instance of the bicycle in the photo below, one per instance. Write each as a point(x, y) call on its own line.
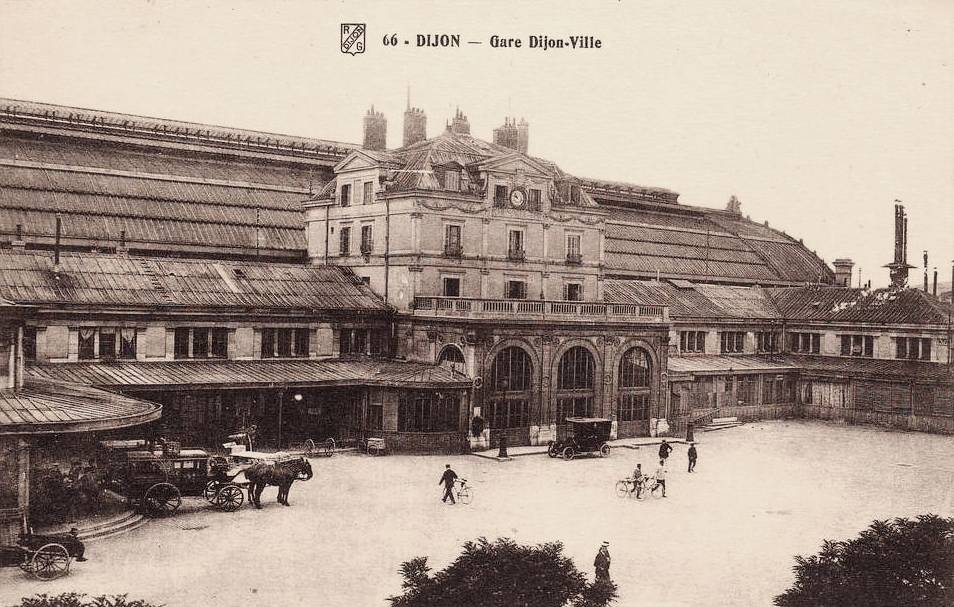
point(463, 492)
point(650, 490)
point(628, 487)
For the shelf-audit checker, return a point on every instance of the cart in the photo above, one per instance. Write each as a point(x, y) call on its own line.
point(583, 435)
point(45, 557)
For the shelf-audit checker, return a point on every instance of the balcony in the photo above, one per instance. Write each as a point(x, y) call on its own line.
point(453, 250)
point(517, 254)
point(537, 309)
point(574, 259)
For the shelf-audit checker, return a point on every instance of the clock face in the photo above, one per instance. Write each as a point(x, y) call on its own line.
point(518, 197)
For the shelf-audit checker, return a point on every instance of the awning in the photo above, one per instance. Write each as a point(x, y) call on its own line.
point(726, 365)
point(198, 374)
point(43, 406)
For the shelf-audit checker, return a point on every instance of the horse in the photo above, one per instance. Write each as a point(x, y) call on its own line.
point(279, 474)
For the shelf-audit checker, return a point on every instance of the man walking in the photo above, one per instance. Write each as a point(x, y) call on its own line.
point(693, 456)
point(664, 450)
point(661, 477)
point(602, 563)
point(448, 481)
point(637, 481)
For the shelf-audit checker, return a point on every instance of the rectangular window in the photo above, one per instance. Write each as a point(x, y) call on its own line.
point(29, 343)
point(534, 199)
point(200, 343)
point(804, 343)
point(451, 286)
point(220, 343)
point(913, 348)
point(378, 342)
point(344, 241)
point(375, 416)
point(732, 342)
point(87, 344)
point(500, 195)
point(420, 411)
point(857, 345)
point(573, 291)
point(692, 341)
point(345, 195)
point(452, 241)
point(268, 343)
point(181, 343)
point(515, 248)
point(107, 343)
point(452, 181)
point(516, 289)
point(302, 343)
point(767, 342)
point(127, 343)
point(368, 192)
point(284, 340)
point(367, 239)
point(354, 342)
point(574, 252)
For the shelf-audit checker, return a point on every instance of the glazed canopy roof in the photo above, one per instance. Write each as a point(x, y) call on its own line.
point(92, 279)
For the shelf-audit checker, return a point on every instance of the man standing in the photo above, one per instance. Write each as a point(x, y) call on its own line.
point(637, 481)
point(448, 481)
point(661, 477)
point(602, 563)
point(664, 450)
point(692, 456)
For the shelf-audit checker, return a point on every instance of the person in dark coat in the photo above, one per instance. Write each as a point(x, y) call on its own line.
point(602, 563)
point(693, 456)
point(664, 450)
point(448, 481)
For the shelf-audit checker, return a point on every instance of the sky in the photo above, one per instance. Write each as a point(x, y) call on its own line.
point(816, 115)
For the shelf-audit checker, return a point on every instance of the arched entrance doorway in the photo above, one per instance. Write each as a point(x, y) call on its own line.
point(452, 355)
point(511, 386)
point(575, 384)
point(634, 400)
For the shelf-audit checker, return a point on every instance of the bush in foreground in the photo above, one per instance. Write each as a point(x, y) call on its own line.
point(892, 563)
point(72, 599)
point(502, 574)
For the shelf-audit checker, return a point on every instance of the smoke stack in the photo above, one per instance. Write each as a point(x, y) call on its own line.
point(843, 272)
point(934, 288)
point(375, 131)
point(899, 267)
point(56, 243)
point(925, 271)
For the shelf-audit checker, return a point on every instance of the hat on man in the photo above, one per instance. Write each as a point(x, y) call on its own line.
point(605, 544)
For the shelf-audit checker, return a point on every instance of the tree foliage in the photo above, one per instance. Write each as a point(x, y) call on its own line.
point(502, 574)
point(892, 563)
point(73, 599)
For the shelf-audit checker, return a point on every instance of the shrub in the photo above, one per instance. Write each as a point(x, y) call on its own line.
point(72, 599)
point(502, 574)
point(892, 563)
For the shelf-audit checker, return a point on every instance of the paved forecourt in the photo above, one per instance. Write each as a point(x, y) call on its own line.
point(725, 535)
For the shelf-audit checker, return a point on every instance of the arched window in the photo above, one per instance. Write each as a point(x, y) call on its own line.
point(511, 381)
point(451, 354)
point(635, 384)
point(575, 381)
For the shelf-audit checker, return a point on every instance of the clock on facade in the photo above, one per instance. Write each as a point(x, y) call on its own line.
point(518, 197)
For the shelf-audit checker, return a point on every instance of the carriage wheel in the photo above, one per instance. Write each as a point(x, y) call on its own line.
point(162, 499)
point(464, 495)
point(330, 447)
point(211, 489)
point(568, 453)
point(604, 450)
point(50, 562)
point(308, 446)
point(230, 498)
point(622, 488)
point(552, 450)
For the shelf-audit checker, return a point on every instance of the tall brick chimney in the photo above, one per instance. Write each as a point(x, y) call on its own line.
point(513, 135)
point(375, 131)
point(843, 272)
point(899, 267)
point(415, 125)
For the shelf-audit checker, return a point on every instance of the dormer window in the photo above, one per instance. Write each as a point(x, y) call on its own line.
point(500, 195)
point(534, 199)
point(346, 195)
point(368, 192)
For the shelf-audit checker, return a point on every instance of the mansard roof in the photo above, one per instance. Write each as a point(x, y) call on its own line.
point(117, 281)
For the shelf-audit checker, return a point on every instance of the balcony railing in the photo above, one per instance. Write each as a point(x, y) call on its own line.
point(574, 259)
point(453, 250)
point(517, 254)
point(465, 307)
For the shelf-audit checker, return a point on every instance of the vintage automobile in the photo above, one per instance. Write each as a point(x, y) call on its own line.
point(155, 481)
point(583, 435)
point(45, 557)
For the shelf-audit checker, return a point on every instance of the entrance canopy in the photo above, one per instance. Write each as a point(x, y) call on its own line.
point(43, 406)
point(254, 374)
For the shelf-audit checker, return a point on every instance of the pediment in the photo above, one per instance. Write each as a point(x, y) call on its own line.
point(514, 163)
point(357, 160)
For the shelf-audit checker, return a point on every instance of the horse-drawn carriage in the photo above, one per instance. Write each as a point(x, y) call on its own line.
point(45, 557)
point(583, 435)
point(157, 480)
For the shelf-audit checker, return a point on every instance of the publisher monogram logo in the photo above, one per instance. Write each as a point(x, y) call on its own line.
point(352, 38)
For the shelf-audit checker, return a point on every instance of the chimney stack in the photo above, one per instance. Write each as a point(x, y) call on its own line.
point(375, 131)
point(934, 288)
point(925, 271)
point(843, 272)
point(415, 125)
point(460, 124)
point(899, 267)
